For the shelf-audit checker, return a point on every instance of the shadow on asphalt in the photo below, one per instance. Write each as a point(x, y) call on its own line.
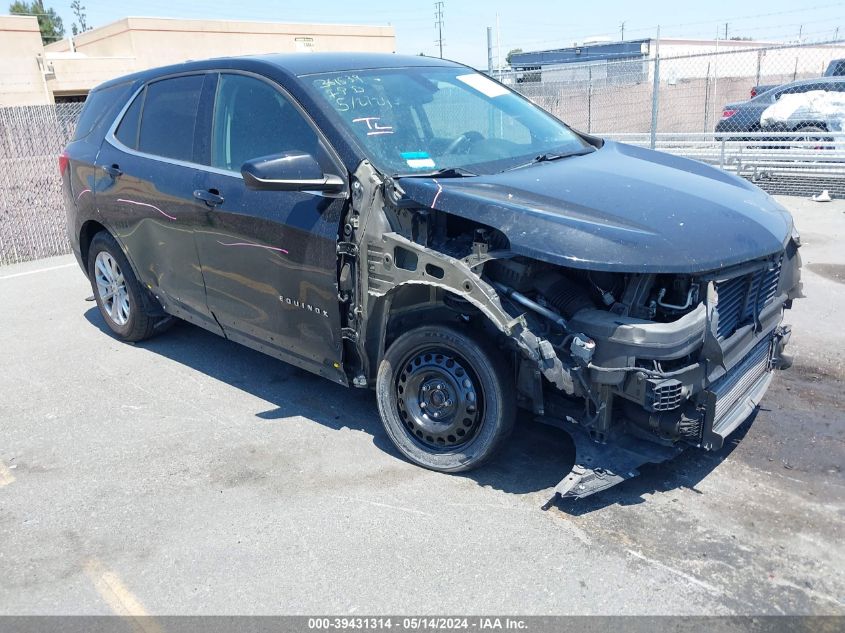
point(536, 459)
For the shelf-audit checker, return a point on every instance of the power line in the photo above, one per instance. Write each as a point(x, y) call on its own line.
point(438, 17)
point(575, 31)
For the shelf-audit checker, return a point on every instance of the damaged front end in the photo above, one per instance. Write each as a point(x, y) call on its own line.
point(636, 366)
point(660, 362)
point(680, 360)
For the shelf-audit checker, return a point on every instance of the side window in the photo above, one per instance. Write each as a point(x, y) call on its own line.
point(252, 119)
point(127, 131)
point(169, 118)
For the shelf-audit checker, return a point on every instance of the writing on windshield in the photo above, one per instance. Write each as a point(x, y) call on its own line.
point(419, 119)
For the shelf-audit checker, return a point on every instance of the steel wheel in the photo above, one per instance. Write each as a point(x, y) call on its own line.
point(439, 399)
point(446, 398)
point(111, 288)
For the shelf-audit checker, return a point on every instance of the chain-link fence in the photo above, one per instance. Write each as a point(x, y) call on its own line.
point(675, 103)
point(32, 210)
point(695, 105)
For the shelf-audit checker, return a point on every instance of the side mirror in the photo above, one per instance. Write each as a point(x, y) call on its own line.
point(289, 171)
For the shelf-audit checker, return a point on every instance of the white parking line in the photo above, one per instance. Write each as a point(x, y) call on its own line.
point(708, 587)
point(33, 272)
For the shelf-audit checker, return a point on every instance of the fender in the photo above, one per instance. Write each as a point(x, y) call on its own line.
point(420, 265)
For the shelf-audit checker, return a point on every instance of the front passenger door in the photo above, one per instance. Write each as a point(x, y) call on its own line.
point(269, 258)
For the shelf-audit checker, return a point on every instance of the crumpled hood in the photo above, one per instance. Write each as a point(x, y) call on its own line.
point(621, 208)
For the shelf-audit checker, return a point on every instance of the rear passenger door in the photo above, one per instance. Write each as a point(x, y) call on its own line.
point(148, 174)
point(269, 258)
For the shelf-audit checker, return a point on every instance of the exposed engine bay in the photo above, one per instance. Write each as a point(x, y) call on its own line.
point(636, 366)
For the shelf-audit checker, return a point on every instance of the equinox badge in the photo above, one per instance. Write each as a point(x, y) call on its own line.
point(296, 303)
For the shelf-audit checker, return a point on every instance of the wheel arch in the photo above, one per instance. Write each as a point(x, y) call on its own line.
point(805, 124)
point(86, 234)
point(418, 303)
point(89, 230)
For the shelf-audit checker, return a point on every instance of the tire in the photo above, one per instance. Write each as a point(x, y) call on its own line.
point(117, 291)
point(813, 133)
point(437, 371)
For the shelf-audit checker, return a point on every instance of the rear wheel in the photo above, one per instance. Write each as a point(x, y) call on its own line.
point(812, 137)
point(445, 399)
point(116, 290)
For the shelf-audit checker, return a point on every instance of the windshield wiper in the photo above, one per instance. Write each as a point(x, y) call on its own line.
point(447, 172)
point(550, 156)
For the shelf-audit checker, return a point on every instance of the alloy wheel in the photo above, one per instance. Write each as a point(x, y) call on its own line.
point(111, 288)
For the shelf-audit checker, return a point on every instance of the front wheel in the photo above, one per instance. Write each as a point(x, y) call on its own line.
point(446, 400)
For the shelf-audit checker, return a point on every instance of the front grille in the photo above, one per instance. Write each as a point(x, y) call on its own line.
point(741, 298)
point(739, 380)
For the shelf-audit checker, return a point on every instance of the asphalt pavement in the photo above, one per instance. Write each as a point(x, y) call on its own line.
point(189, 475)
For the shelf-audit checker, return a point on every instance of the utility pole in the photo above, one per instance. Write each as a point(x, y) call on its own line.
point(726, 30)
point(499, 46)
point(438, 17)
point(490, 50)
point(622, 30)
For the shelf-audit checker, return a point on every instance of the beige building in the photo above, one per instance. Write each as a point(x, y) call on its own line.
point(66, 70)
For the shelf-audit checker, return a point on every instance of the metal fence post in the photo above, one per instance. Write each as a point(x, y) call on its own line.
point(655, 91)
point(590, 99)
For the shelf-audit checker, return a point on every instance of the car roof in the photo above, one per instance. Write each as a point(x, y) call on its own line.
point(812, 80)
point(307, 64)
point(804, 82)
point(761, 97)
point(296, 64)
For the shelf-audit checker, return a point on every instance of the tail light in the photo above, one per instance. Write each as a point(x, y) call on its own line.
point(727, 114)
point(754, 92)
point(63, 163)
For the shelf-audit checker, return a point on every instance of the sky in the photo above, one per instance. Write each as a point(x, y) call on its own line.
point(526, 24)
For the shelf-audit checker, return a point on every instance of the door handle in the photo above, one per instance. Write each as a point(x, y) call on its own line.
point(210, 196)
point(112, 170)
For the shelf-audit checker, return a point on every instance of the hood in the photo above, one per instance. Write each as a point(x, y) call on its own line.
point(620, 208)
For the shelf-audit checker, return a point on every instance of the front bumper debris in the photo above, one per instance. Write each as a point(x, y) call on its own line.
point(721, 406)
point(599, 466)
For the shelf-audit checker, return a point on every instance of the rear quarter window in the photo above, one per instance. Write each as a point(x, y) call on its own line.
point(127, 131)
point(100, 106)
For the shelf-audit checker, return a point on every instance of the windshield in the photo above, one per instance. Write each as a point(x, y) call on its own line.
point(419, 120)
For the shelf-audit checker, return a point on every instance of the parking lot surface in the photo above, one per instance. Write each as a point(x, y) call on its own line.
point(189, 475)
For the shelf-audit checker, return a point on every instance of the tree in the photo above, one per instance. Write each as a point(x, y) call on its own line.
point(49, 21)
point(81, 18)
point(511, 53)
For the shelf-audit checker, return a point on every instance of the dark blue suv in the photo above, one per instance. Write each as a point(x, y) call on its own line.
point(409, 224)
